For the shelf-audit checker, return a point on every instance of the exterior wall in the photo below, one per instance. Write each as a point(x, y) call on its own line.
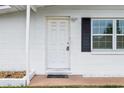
point(85, 63)
point(37, 44)
point(12, 41)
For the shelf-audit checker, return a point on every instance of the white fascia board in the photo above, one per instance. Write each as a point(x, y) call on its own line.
point(5, 7)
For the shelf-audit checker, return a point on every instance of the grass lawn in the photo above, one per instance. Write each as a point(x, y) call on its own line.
point(69, 86)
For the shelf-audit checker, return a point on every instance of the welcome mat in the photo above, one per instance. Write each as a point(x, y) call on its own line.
point(57, 76)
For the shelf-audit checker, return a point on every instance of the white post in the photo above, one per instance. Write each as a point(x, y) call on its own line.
point(27, 43)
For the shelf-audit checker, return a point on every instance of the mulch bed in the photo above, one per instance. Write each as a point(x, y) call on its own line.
point(12, 74)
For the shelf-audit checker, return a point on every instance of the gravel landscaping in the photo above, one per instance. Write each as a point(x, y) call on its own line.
point(12, 74)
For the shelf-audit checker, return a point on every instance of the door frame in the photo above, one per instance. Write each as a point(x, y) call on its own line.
point(46, 37)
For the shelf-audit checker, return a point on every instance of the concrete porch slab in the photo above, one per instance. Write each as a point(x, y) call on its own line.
point(42, 80)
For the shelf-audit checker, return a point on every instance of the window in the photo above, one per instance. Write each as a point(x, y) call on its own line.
point(120, 34)
point(107, 34)
point(102, 34)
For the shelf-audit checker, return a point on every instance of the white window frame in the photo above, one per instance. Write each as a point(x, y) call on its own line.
point(114, 36)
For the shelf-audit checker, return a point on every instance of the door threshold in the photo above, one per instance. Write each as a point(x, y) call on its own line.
point(58, 71)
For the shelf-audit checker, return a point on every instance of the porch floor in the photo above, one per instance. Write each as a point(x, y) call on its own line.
point(42, 80)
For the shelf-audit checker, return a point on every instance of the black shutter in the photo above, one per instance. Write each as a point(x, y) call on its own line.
point(86, 34)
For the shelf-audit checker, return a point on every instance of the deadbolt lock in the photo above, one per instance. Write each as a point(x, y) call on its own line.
point(67, 48)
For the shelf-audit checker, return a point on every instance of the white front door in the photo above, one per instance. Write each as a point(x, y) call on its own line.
point(58, 42)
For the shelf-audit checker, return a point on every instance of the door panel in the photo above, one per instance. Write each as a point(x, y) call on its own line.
point(57, 42)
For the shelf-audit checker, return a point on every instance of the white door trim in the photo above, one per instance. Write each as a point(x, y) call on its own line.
point(46, 46)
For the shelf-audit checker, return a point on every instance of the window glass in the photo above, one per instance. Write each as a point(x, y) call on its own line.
point(102, 34)
point(120, 42)
point(102, 27)
point(120, 26)
point(120, 34)
point(102, 42)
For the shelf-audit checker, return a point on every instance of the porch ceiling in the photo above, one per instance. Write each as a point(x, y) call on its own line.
point(14, 8)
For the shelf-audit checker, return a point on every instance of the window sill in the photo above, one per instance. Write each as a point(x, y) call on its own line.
point(107, 52)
